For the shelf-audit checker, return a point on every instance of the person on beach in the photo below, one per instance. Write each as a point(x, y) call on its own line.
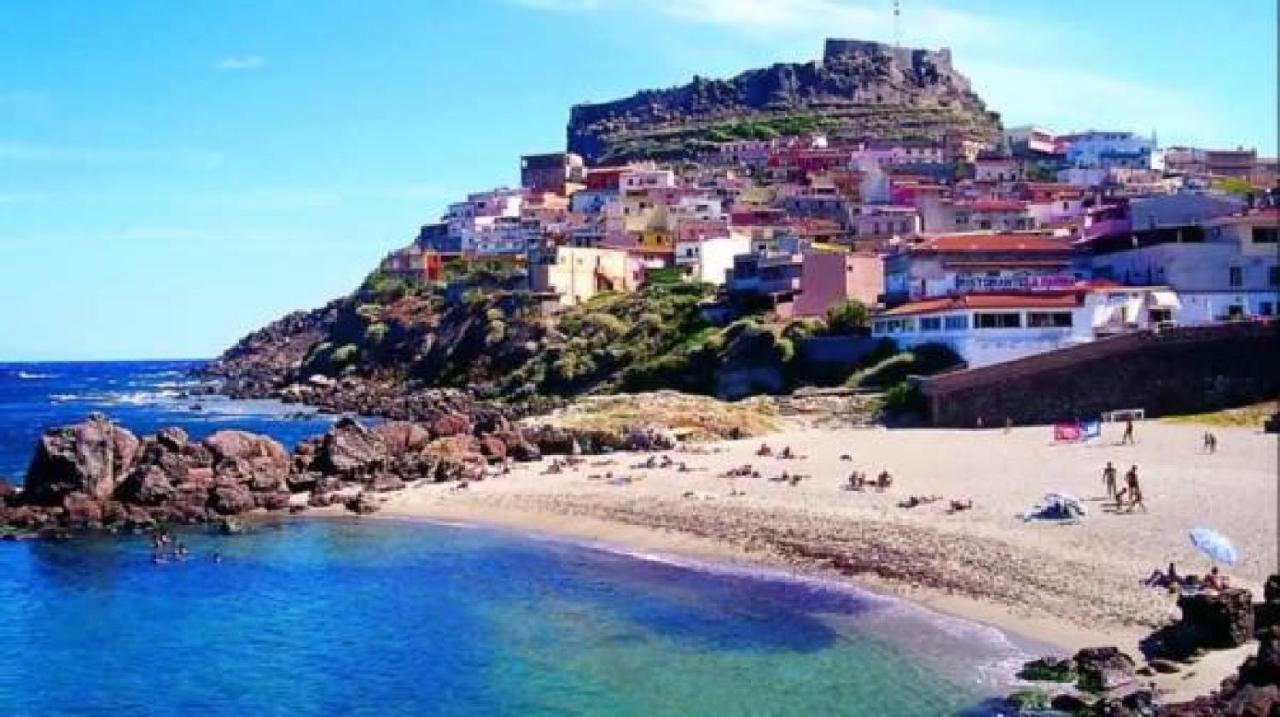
point(1214, 580)
point(1109, 479)
point(1166, 579)
point(1128, 432)
point(884, 481)
point(764, 450)
point(1134, 490)
point(1210, 443)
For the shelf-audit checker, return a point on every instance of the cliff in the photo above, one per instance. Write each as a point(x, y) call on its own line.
point(858, 90)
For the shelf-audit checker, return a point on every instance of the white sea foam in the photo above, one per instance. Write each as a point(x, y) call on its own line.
point(34, 376)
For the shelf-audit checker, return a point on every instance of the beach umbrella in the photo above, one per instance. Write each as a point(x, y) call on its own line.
point(1215, 545)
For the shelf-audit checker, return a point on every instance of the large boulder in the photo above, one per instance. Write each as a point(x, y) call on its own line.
point(1221, 619)
point(258, 462)
point(362, 504)
point(90, 458)
point(450, 424)
point(456, 458)
point(82, 510)
point(350, 450)
point(1103, 668)
point(231, 499)
point(147, 485)
point(402, 438)
point(552, 440)
point(242, 445)
point(1267, 613)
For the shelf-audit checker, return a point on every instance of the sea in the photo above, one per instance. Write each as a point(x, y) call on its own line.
point(377, 617)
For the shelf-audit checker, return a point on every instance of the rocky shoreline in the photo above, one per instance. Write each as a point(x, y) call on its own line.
point(97, 475)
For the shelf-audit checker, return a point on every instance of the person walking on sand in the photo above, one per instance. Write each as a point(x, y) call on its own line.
point(1210, 443)
point(1128, 432)
point(1134, 490)
point(1109, 479)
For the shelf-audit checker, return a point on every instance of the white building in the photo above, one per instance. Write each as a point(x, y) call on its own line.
point(987, 328)
point(1223, 268)
point(1110, 149)
point(644, 179)
point(710, 259)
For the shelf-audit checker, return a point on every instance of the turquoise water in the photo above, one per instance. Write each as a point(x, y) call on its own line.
point(382, 618)
point(317, 617)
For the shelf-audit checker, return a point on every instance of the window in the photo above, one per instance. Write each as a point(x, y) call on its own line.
point(997, 321)
point(956, 323)
point(1266, 235)
point(932, 323)
point(1235, 276)
point(1049, 319)
point(1266, 308)
point(1273, 275)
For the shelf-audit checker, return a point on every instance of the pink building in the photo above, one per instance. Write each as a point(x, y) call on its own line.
point(828, 278)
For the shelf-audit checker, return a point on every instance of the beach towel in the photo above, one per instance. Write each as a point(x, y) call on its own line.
point(1066, 431)
point(1090, 429)
point(1058, 508)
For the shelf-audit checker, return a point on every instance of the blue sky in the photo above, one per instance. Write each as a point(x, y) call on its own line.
point(173, 175)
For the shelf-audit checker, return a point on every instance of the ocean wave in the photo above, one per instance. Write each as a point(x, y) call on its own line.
point(131, 398)
point(34, 376)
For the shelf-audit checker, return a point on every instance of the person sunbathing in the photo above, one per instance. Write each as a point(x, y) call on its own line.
point(961, 505)
point(1168, 578)
point(1215, 580)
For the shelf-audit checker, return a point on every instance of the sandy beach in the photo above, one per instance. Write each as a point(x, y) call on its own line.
point(1066, 585)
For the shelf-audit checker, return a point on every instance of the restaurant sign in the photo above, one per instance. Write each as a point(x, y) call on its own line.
point(1050, 282)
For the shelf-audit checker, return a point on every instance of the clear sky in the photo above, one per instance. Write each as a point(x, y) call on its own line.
point(175, 174)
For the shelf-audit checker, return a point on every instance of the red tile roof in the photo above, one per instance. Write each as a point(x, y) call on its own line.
point(1025, 300)
point(1032, 242)
point(993, 205)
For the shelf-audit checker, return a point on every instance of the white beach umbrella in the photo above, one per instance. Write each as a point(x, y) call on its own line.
point(1215, 545)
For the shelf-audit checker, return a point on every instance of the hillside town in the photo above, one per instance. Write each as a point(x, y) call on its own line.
point(1000, 250)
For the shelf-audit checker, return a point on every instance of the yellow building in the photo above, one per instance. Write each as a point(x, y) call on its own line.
point(579, 273)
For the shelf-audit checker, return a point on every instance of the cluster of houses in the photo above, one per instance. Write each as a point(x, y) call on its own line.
point(1041, 242)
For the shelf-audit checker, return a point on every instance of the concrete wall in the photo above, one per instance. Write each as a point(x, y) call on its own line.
point(1182, 370)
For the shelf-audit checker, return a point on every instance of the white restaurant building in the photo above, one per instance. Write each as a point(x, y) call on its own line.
point(991, 327)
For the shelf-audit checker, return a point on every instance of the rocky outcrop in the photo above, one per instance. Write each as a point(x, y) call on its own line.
point(1254, 691)
point(1221, 619)
point(89, 458)
point(859, 89)
point(1103, 668)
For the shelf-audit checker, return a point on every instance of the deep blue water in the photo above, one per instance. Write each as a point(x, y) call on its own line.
point(328, 617)
point(142, 395)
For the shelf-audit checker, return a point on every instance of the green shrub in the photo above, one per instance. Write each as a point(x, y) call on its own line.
point(905, 397)
point(495, 332)
point(344, 355)
point(375, 333)
point(847, 317)
point(801, 329)
point(665, 275)
point(473, 298)
point(608, 324)
point(888, 372)
point(369, 312)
